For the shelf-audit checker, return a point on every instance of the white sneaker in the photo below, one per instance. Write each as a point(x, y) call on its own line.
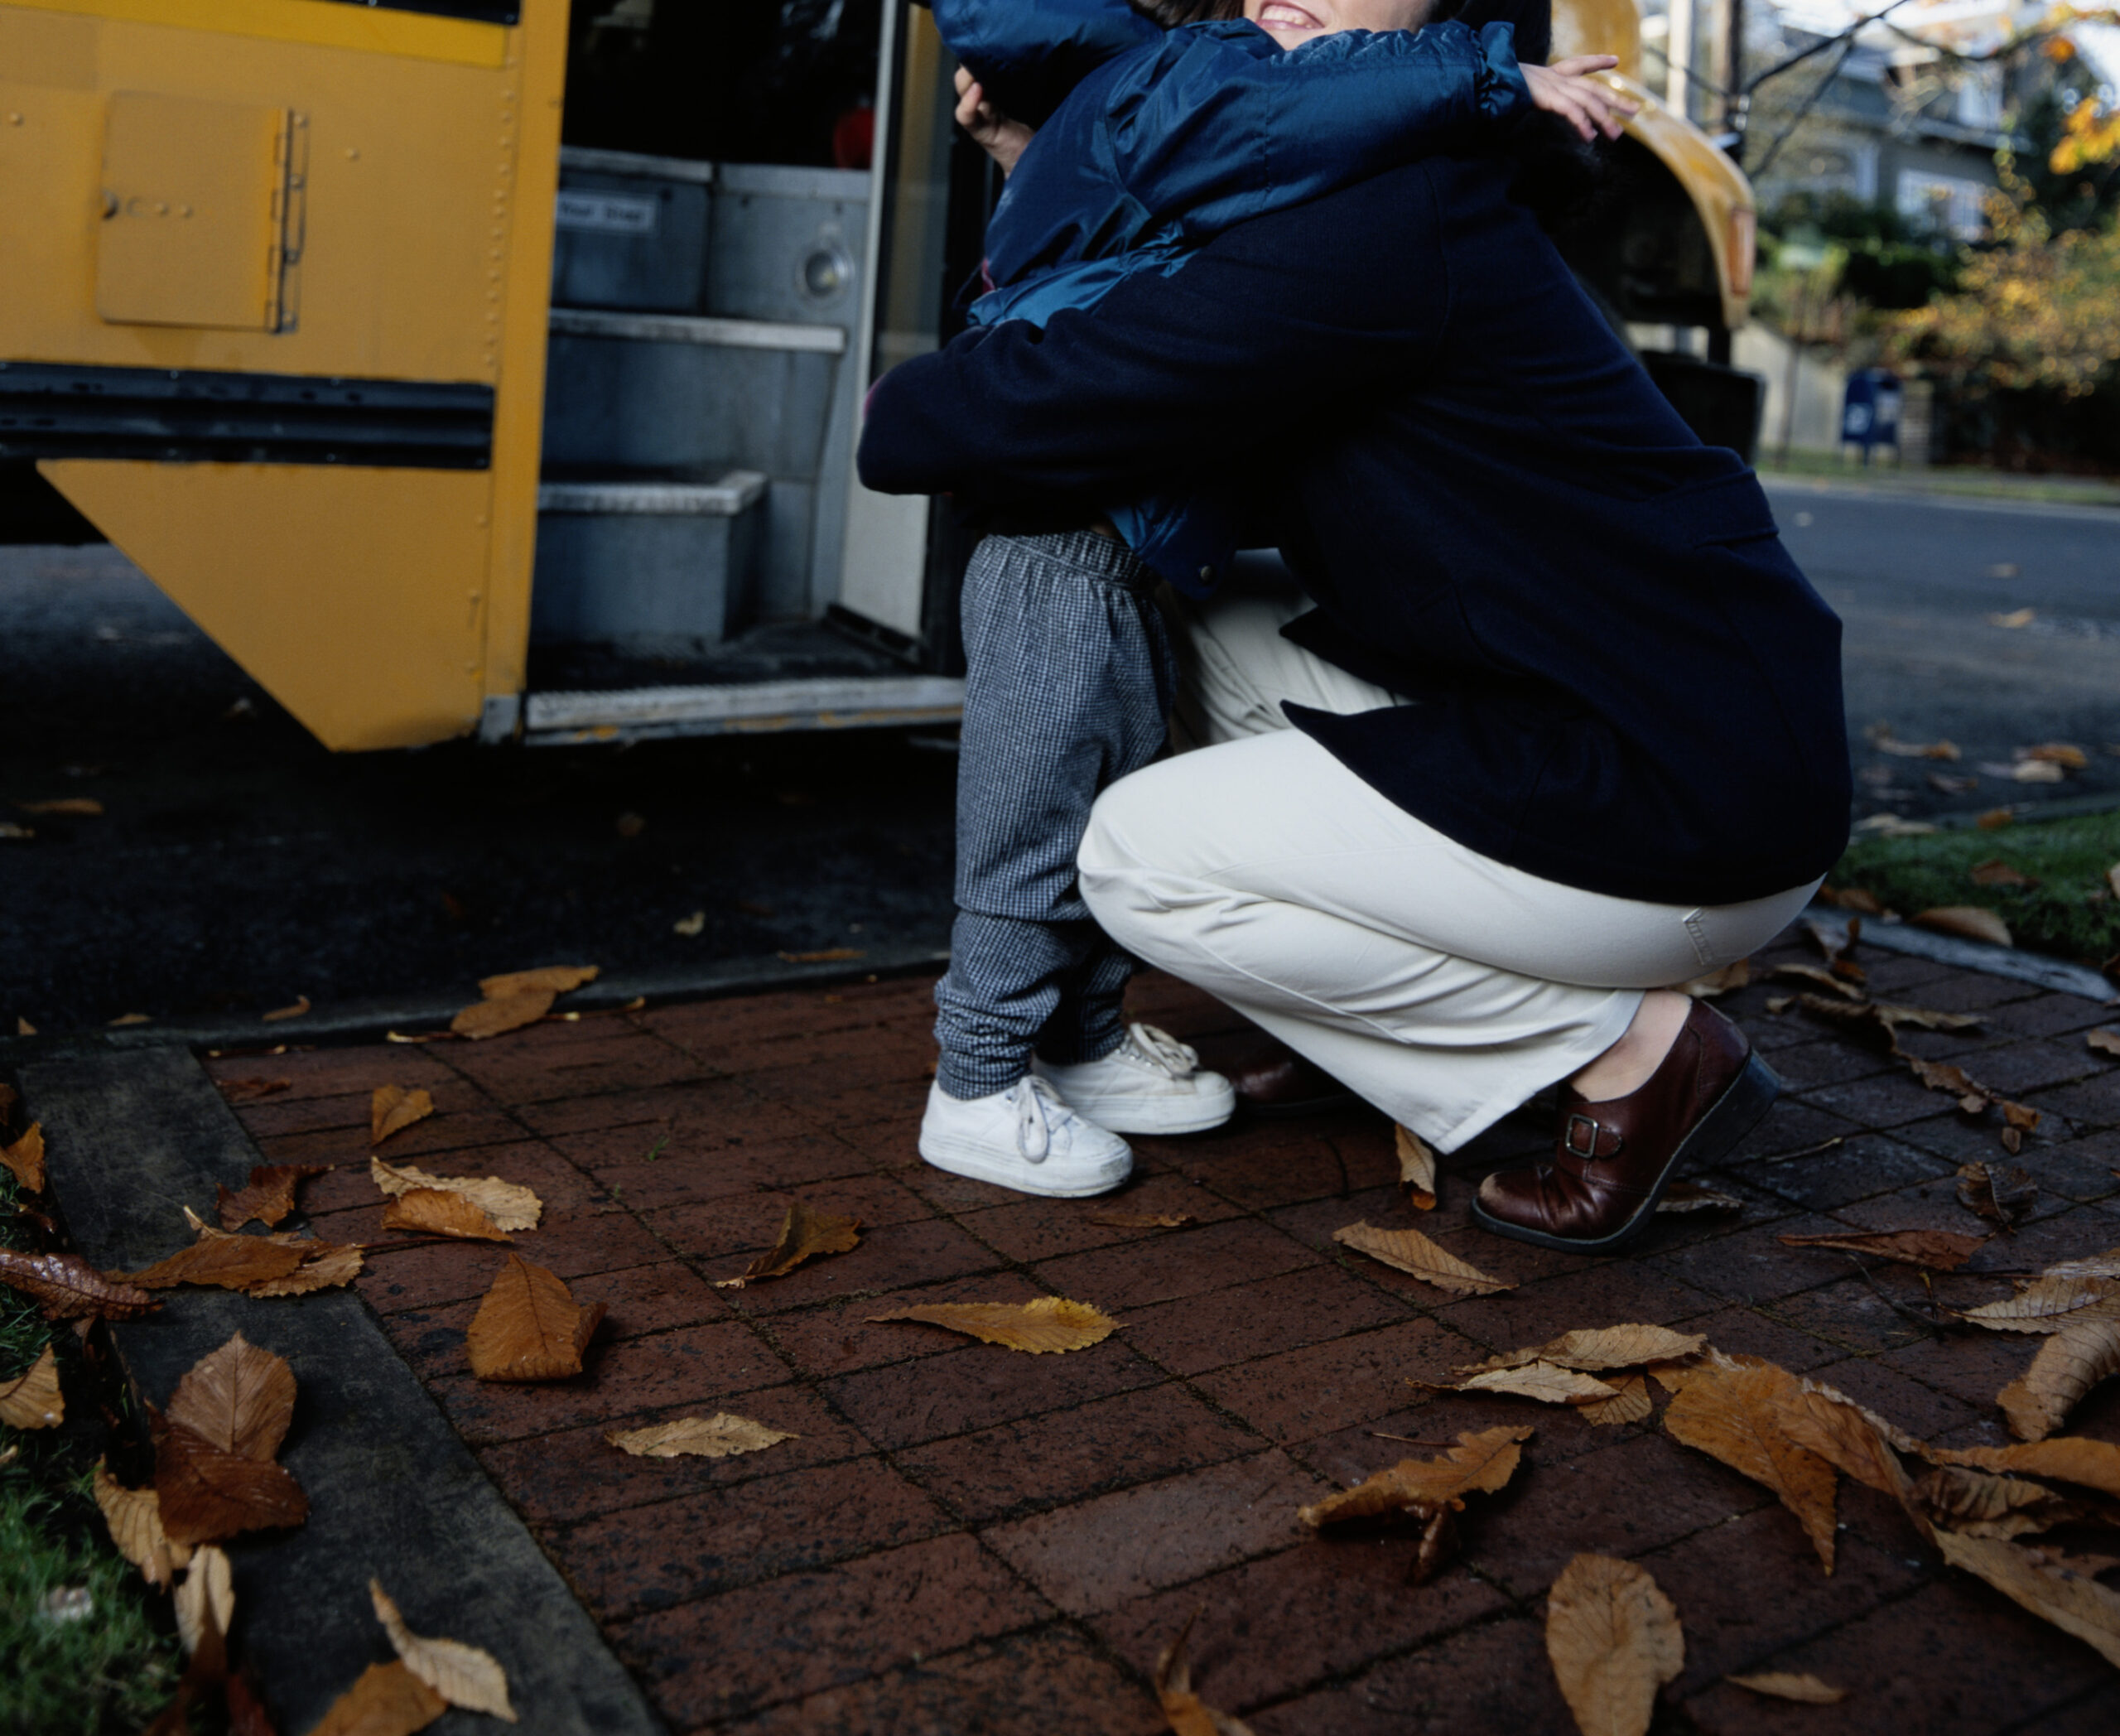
point(1151, 1083)
point(1024, 1138)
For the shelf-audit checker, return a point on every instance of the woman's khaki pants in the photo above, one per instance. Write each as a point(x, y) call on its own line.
point(1443, 987)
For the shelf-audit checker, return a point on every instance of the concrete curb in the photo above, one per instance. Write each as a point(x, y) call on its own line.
point(1973, 955)
point(394, 1493)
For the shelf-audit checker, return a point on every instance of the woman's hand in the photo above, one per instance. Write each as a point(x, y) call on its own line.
point(1570, 89)
point(993, 132)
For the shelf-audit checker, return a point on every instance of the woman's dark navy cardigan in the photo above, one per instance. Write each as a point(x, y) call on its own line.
point(1625, 683)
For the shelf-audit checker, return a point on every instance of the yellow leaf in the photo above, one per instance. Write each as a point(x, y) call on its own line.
point(1548, 1382)
point(2069, 1364)
point(1046, 1323)
point(1602, 1347)
point(1969, 922)
point(1614, 1640)
point(437, 1212)
point(1727, 1409)
point(718, 1436)
point(511, 1206)
point(804, 1232)
point(462, 1675)
point(690, 926)
point(1778, 1685)
point(392, 1109)
point(1478, 1464)
point(25, 1158)
point(206, 1592)
point(1416, 1169)
point(2071, 1601)
point(1629, 1404)
point(386, 1700)
point(135, 1521)
point(1409, 1251)
point(33, 1399)
point(529, 1327)
point(2048, 1304)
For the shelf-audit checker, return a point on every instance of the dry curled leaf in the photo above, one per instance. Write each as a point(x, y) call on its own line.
point(464, 1675)
point(268, 1197)
point(2071, 1601)
point(325, 1266)
point(555, 979)
point(1594, 1347)
point(1852, 1439)
point(392, 1109)
point(135, 1522)
point(66, 1287)
point(1727, 1409)
point(25, 1158)
point(1614, 1640)
point(1990, 1503)
point(2057, 753)
point(436, 1212)
point(2090, 1464)
point(804, 1233)
point(2106, 1265)
point(499, 1014)
point(1968, 921)
point(1416, 1167)
point(1409, 1251)
point(1185, 1712)
point(388, 1700)
point(221, 1260)
point(2069, 1364)
point(1996, 872)
point(529, 1327)
point(1729, 978)
point(1044, 1324)
point(239, 1398)
point(510, 1205)
point(33, 1399)
point(1548, 1382)
point(1686, 1196)
point(206, 1494)
point(827, 955)
point(2048, 1304)
point(2004, 1198)
point(2102, 1041)
point(1940, 1250)
point(1780, 1684)
point(1629, 1404)
point(206, 1594)
point(1825, 979)
point(80, 806)
point(300, 1006)
point(1141, 1220)
point(718, 1436)
point(1478, 1464)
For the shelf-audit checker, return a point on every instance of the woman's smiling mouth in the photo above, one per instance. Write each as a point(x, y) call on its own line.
point(1285, 15)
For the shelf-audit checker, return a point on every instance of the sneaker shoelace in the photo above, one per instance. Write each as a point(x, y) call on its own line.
point(1160, 1050)
point(1038, 1108)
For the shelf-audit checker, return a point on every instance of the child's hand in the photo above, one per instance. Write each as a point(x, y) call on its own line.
point(993, 132)
point(1570, 90)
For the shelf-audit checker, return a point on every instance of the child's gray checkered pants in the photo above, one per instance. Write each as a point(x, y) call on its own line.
point(1068, 687)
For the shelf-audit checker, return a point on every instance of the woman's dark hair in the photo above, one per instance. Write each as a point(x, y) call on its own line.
point(1171, 13)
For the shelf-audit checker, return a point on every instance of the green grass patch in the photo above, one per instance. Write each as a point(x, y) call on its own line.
point(2071, 911)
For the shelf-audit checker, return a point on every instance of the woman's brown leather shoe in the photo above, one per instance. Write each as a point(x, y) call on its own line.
point(1613, 1159)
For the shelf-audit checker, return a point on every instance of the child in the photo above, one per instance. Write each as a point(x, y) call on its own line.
point(1168, 140)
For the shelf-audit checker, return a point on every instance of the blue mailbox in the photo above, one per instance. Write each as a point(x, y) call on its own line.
point(1869, 413)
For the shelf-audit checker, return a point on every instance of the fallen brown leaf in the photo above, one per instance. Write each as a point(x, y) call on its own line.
point(25, 1158)
point(221, 1260)
point(804, 1233)
point(1780, 1685)
point(1416, 1169)
point(828, 954)
point(206, 1598)
point(1990, 1503)
point(499, 1014)
point(1884, 742)
point(1478, 1464)
point(388, 1700)
point(1996, 818)
point(2104, 1041)
point(1185, 1712)
point(2048, 1304)
point(510, 1205)
point(392, 1109)
point(206, 1494)
point(1996, 872)
point(2090, 1464)
point(1548, 1382)
point(135, 1521)
point(86, 806)
point(1044, 1324)
point(1409, 1251)
point(300, 1006)
point(436, 1212)
point(1817, 974)
point(2003, 1200)
point(246, 1091)
point(529, 1327)
point(1629, 1404)
point(718, 1436)
point(123, 1019)
point(32, 1401)
point(1715, 983)
point(2069, 1364)
point(1853, 1440)
point(1686, 1196)
point(2106, 1265)
point(1727, 1409)
point(557, 979)
point(2057, 753)
point(239, 1398)
point(690, 926)
point(1140, 1220)
point(1594, 1347)
point(268, 1197)
point(1941, 1251)
point(464, 1675)
point(1614, 1640)
point(1968, 921)
point(2072, 1601)
point(66, 1287)
point(325, 1266)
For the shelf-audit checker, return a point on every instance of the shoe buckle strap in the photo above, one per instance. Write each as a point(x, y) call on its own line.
point(1587, 1139)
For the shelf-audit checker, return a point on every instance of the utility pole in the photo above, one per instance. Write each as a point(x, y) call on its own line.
point(1678, 58)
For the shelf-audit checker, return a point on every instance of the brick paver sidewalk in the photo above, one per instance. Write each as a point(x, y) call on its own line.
point(967, 1539)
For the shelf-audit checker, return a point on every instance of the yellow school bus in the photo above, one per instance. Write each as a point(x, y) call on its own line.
point(441, 425)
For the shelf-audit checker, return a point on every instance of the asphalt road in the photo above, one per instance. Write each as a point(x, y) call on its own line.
point(238, 866)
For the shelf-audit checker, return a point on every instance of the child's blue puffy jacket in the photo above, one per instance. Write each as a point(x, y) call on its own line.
point(1152, 142)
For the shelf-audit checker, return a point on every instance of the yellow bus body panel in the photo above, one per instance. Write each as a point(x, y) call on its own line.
point(381, 606)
